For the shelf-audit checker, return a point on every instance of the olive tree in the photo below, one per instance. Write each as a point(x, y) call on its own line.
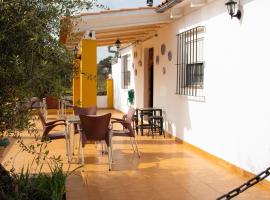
point(33, 62)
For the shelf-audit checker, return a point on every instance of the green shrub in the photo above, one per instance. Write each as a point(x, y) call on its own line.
point(131, 96)
point(4, 142)
point(27, 186)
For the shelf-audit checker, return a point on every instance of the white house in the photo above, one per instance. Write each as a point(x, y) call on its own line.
point(229, 117)
point(207, 71)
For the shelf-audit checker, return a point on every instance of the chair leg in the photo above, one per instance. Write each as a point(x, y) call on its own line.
point(132, 144)
point(79, 148)
point(110, 158)
point(102, 149)
point(137, 149)
point(76, 142)
point(152, 128)
point(82, 155)
point(67, 138)
point(74, 136)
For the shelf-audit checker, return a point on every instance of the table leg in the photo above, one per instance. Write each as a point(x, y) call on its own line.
point(141, 115)
point(136, 121)
point(67, 137)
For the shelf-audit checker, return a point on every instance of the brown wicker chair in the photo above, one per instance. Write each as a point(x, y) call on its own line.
point(128, 130)
point(96, 128)
point(49, 126)
point(91, 110)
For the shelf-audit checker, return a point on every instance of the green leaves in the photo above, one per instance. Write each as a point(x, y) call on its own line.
point(33, 62)
point(4, 142)
point(131, 96)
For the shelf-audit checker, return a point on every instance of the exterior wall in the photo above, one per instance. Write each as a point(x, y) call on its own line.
point(233, 121)
point(120, 95)
point(102, 102)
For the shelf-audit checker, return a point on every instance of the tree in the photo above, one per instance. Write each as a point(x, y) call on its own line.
point(33, 62)
point(104, 68)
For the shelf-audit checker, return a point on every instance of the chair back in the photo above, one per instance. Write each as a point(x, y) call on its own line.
point(52, 102)
point(42, 119)
point(95, 127)
point(91, 110)
point(34, 102)
point(131, 112)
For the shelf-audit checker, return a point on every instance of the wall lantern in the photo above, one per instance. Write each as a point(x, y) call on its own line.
point(231, 9)
point(149, 3)
point(117, 44)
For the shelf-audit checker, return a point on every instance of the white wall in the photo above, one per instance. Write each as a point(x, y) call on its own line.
point(102, 102)
point(233, 122)
point(121, 95)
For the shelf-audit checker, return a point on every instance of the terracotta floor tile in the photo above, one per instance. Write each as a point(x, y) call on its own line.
point(166, 170)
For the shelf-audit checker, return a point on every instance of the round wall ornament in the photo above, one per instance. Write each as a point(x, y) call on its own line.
point(164, 70)
point(135, 54)
point(169, 55)
point(140, 63)
point(163, 49)
point(157, 59)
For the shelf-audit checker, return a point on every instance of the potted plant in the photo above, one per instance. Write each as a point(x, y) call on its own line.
point(131, 96)
point(4, 142)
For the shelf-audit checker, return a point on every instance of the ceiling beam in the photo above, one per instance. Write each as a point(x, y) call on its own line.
point(127, 32)
point(110, 43)
point(136, 27)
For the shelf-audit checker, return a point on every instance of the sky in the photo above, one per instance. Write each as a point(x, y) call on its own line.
point(117, 4)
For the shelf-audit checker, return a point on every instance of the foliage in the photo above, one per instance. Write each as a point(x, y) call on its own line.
point(131, 96)
point(4, 142)
point(33, 62)
point(104, 68)
point(27, 186)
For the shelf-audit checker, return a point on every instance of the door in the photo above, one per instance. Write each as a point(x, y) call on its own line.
point(148, 77)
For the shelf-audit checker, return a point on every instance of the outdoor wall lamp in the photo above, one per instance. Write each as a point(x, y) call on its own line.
point(117, 44)
point(149, 3)
point(231, 9)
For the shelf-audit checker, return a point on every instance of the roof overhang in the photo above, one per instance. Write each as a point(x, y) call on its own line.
point(127, 25)
point(131, 25)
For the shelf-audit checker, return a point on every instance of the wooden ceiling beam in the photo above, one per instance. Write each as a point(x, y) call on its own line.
point(139, 27)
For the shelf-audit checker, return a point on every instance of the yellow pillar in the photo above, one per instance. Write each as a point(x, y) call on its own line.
point(88, 74)
point(76, 85)
point(110, 92)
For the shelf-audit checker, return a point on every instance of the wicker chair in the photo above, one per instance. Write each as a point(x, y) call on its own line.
point(96, 128)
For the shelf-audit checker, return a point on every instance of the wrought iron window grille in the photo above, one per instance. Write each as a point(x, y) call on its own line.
point(190, 62)
point(125, 72)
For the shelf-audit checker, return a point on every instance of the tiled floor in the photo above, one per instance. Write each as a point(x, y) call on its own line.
point(166, 170)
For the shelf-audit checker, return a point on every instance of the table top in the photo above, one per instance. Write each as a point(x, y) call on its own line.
point(148, 109)
point(72, 119)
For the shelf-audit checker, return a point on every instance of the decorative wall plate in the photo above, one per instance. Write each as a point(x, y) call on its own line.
point(169, 55)
point(163, 49)
point(164, 70)
point(140, 63)
point(135, 54)
point(157, 59)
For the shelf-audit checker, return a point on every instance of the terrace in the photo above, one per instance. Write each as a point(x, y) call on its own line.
point(167, 169)
point(174, 58)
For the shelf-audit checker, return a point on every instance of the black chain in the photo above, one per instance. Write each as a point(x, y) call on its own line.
point(246, 185)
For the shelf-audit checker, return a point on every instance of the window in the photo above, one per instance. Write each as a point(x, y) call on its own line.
point(194, 75)
point(190, 62)
point(125, 73)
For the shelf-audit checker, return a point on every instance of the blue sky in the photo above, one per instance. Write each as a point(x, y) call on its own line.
point(117, 4)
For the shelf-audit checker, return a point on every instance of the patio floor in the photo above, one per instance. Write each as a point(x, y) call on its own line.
point(166, 170)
